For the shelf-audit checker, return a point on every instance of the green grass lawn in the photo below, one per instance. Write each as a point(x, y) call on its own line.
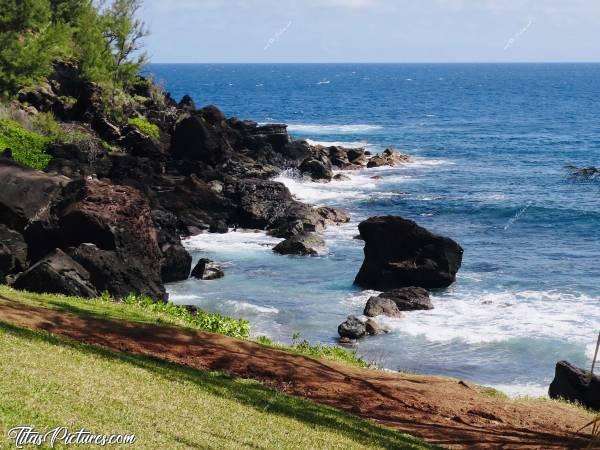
point(168, 314)
point(47, 382)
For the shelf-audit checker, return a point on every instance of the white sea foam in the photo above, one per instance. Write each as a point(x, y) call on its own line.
point(245, 307)
point(359, 144)
point(358, 187)
point(237, 241)
point(477, 318)
point(522, 390)
point(333, 129)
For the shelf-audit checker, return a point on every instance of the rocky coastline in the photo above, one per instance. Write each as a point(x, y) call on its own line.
point(108, 212)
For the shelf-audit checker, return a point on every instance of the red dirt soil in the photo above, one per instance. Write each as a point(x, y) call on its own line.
point(443, 411)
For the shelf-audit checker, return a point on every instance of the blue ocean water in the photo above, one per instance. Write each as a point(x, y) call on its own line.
point(491, 143)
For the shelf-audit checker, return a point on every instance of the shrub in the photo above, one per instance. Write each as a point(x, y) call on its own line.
point(144, 126)
point(27, 147)
point(201, 320)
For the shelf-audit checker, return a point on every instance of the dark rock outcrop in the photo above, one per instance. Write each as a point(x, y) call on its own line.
point(352, 328)
point(26, 194)
point(206, 269)
point(176, 262)
point(317, 170)
point(400, 253)
point(391, 303)
point(79, 159)
point(116, 219)
point(575, 385)
point(187, 103)
point(57, 273)
point(304, 244)
point(119, 277)
point(388, 157)
point(409, 298)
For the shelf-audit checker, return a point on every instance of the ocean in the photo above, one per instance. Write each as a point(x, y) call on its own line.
point(491, 144)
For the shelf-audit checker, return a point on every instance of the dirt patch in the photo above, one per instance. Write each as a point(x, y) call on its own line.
point(447, 412)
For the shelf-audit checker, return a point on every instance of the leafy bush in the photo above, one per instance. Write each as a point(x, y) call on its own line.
point(201, 320)
point(144, 126)
point(27, 147)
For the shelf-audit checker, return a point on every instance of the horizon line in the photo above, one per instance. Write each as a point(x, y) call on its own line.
point(380, 62)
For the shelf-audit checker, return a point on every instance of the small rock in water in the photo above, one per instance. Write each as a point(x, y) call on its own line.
point(374, 329)
point(409, 298)
point(304, 244)
point(352, 328)
point(207, 270)
point(341, 177)
point(389, 157)
point(377, 177)
point(378, 306)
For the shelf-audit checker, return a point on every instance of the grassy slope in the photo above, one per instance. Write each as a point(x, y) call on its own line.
point(123, 311)
point(46, 382)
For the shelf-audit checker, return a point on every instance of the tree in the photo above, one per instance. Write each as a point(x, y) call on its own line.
point(124, 35)
point(105, 41)
point(29, 42)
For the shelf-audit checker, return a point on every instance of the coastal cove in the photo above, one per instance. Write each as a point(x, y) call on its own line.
point(527, 293)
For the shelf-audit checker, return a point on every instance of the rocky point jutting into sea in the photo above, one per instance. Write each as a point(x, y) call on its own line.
point(99, 220)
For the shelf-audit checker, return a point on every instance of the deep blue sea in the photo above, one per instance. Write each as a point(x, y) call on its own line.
point(491, 143)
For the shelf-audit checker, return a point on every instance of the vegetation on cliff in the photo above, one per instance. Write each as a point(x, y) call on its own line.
point(103, 40)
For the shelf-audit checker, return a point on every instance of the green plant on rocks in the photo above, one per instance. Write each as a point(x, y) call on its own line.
point(145, 127)
point(27, 147)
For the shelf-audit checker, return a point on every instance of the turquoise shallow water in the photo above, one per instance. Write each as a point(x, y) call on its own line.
point(491, 144)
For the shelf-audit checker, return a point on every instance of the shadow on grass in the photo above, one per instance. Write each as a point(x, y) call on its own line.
point(248, 393)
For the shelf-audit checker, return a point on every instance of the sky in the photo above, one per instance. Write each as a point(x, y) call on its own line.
point(322, 31)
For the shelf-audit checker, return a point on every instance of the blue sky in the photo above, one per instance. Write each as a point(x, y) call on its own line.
point(372, 30)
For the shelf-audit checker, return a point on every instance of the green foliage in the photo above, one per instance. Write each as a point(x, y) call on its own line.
point(143, 125)
point(104, 40)
point(200, 319)
point(330, 352)
point(47, 125)
point(111, 148)
point(27, 147)
point(30, 40)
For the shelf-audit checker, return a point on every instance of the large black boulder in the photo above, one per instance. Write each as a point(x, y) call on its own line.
point(575, 385)
point(26, 194)
point(116, 275)
point(400, 253)
point(57, 273)
point(196, 138)
point(303, 244)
